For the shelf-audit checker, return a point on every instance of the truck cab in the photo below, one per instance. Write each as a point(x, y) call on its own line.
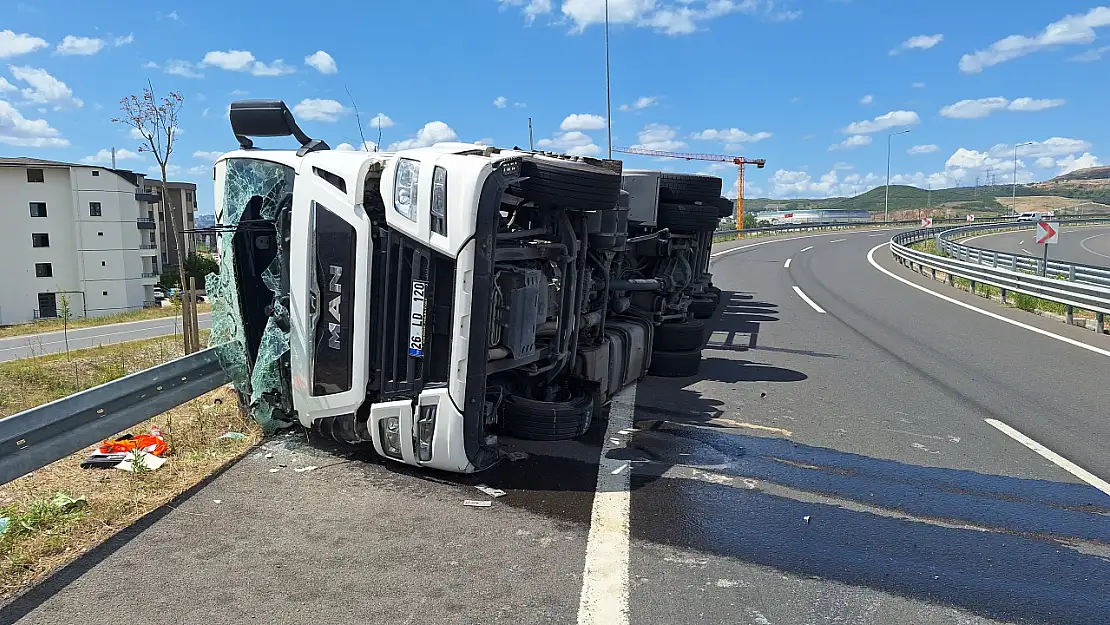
point(427, 300)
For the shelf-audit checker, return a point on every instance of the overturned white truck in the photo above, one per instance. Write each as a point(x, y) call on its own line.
point(426, 300)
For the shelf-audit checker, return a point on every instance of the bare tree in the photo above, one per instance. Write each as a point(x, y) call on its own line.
point(155, 119)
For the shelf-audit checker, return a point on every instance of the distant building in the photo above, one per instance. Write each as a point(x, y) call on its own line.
point(79, 231)
point(183, 201)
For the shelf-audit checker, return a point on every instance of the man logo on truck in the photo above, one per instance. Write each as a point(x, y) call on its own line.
point(333, 306)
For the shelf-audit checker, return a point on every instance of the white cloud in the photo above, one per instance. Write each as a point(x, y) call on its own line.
point(319, 110)
point(44, 88)
point(974, 109)
point(13, 44)
point(659, 137)
point(920, 42)
point(642, 102)
point(1071, 162)
point(367, 146)
point(918, 85)
point(571, 142)
point(520, 105)
point(842, 166)
point(978, 109)
point(1094, 54)
point(1071, 30)
point(867, 99)
point(79, 46)
point(431, 133)
point(244, 61)
point(853, 141)
point(184, 69)
point(1046, 162)
point(883, 122)
point(730, 136)
point(135, 134)
point(963, 158)
point(485, 141)
point(123, 41)
point(381, 120)
point(500, 101)
point(22, 132)
point(672, 18)
point(322, 62)
point(104, 157)
point(794, 184)
point(927, 148)
point(583, 121)
point(6, 86)
point(1031, 104)
point(1054, 146)
point(207, 156)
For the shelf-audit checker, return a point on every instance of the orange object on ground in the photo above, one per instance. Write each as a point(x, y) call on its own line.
point(152, 444)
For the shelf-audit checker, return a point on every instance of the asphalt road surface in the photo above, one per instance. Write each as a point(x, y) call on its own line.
point(18, 347)
point(1087, 245)
point(862, 454)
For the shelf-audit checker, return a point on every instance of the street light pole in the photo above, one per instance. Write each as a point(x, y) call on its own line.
point(1013, 198)
point(608, 101)
point(886, 200)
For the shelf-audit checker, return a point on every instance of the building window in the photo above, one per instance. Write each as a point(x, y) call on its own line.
point(35, 175)
point(94, 209)
point(48, 305)
point(38, 209)
point(40, 239)
point(43, 270)
point(95, 173)
point(189, 196)
point(99, 234)
point(105, 293)
point(103, 264)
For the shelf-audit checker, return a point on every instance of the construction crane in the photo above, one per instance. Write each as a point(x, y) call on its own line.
point(739, 161)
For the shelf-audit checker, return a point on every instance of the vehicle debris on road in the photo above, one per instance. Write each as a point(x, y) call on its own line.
point(489, 490)
point(474, 503)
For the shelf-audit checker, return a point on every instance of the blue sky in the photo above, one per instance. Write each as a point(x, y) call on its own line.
point(812, 86)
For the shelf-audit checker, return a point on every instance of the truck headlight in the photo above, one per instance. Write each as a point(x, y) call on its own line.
point(424, 432)
point(390, 430)
point(405, 181)
point(439, 201)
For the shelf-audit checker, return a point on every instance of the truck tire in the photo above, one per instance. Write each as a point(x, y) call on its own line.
point(703, 307)
point(688, 217)
point(679, 337)
point(726, 207)
point(547, 420)
point(689, 187)
point(681, 364)
point(569, 184)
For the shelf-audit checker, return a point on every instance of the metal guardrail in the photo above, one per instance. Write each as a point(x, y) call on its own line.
point(845, 226)
point(1092, 297)
point(34, 438)
point(948, 242)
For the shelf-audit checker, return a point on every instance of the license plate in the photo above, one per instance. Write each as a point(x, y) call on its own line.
point(417, 317)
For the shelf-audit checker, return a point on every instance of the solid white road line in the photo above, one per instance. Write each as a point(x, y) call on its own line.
point(1063, 339)
point(811, 303)
point(1051, 456)
point(733, 250)
point(31, 343)
point(604, 599)
point(1083, 244)
point(153, 322)
point(805, 249)
point(1027, 251)
point(786, 265)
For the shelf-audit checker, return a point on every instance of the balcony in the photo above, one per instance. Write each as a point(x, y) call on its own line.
point(150, 274)
point(145, 223)
point(143, 196)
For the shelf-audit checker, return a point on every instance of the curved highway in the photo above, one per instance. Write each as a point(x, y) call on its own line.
point(1087, 245)
point(862, 445)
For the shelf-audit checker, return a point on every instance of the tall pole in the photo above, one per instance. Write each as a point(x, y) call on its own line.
point(608, 101)
point(886, 201)
point(530, 146)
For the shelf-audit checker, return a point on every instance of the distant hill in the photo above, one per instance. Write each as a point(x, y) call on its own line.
point(1091, 173)
point(202, 220)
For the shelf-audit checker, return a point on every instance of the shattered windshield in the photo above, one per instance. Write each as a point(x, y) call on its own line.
point(249, 295)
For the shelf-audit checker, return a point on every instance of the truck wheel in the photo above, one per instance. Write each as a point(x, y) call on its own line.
point(569, 184)
point(726, 208)
point(688, 217)
point(547, 420)
point(678, 337)
point(703, 307)
point(689, 187)
point(675, 364)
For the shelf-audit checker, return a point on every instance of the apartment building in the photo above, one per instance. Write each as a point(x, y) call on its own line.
point(83, 232)
point(183, 203)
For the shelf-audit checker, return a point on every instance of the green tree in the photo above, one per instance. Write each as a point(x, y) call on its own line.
point(199, 266)
point(749, 220)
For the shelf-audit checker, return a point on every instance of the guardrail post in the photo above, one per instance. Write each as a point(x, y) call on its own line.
point(951, 280)
point(1003, 296)
point(1071, 273)
point(1100, 325)
point(994, 259)
point(1013, 262)
point(1069, 314)
point(972, 287)
point(934, 273)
